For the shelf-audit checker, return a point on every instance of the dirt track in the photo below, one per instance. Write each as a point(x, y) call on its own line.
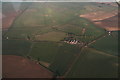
point(19, 67)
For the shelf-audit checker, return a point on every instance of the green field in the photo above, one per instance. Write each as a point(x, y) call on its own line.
point(45, 51)
point(47, 17)
point(94, 64)
point(39, 32)
point(106, 44)
point(65, 56)
point(76, 26)
point(51, 36)
point(15, 47)
point(53, 53)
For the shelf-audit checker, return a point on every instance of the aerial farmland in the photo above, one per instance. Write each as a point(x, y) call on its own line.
point(60, 40)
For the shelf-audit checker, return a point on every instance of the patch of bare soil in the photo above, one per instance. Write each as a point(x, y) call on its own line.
point(100, 15)
point(110, 24)
point(8, 19)
point(108, 21)
point(19, 67)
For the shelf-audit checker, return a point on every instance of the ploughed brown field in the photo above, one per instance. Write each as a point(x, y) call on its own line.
point(8, 20)
point(108, 21)
point(19, 67)
point(110, 24)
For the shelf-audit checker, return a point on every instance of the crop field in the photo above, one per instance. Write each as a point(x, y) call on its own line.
point(15, 47)
point(44, 51)
point(106, 44)
point(79, 24)
point(45, 18)
point(12, 63)
point(66, 54)
point(53, 53)
point(47, 36)
point(56, 37)
point(93, 63)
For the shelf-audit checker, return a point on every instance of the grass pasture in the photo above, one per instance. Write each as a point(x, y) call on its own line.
point(40, 18)
point(58, 55)
point(15, 47)
point(66, 54)
point(46, 24)
point(44, 51)
point(51, 36)
point(23, 32)
point(77, 25)
point(94, 64)
point(108, 44)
